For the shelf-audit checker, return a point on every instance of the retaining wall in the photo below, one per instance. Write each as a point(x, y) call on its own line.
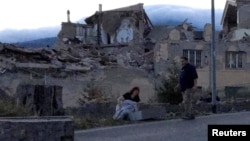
point(36, 129)
point(106, 110)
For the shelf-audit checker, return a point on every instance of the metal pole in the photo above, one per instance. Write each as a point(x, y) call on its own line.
point(99, 26)
point(213, 63)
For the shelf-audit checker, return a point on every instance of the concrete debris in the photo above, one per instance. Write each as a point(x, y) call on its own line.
point(72, 58)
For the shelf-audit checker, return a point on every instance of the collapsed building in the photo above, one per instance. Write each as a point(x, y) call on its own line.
point(118, 26)
point(118, 49)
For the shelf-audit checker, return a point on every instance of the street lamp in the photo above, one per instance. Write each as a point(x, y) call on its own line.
point(213, 63)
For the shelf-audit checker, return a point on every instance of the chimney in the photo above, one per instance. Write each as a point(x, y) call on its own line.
point(100, 7)
point(68, 16)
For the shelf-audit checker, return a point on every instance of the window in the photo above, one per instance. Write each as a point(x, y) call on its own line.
point(234, 59)
point(194, 57)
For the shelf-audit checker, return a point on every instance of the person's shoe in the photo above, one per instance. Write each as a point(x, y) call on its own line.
point(189, 117)
point(192, 117)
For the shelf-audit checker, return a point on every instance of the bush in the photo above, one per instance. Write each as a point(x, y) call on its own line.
point(8, 107)
point(166, 93)
point(93, 93)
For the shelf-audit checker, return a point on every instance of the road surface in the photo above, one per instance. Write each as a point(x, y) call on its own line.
point(167, 130)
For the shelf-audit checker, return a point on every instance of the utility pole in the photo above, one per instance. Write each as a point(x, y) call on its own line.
point(213, 61)
point(99, 26)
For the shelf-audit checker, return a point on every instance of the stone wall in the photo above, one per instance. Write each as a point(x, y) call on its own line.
point(41, 100)
point(106, 110)
point(113, 83)
point(37, 129)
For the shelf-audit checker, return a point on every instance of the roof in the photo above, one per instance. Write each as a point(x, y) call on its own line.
point(137, 7)
point(111, 19)
point(229, 10)
point(159, 32)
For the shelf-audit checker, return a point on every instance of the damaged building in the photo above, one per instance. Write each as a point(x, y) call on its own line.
point(232, 49)
point(118, 26)
point(120, 48)
point(77, 62)
point(235, 19)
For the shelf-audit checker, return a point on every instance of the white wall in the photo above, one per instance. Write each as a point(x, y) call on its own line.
point(240, 33)
point(125, 33)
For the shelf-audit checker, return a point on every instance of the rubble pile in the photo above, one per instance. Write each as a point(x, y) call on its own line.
point(69, 58)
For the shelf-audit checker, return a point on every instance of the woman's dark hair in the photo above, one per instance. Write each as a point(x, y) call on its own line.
point(184, 58)
point(134, 89)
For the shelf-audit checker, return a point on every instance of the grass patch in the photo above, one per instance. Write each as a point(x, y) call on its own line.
point(8, 108)
point(91, 122)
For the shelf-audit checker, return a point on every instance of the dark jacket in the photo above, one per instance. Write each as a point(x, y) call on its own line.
point(127, 96)
point(187, 76)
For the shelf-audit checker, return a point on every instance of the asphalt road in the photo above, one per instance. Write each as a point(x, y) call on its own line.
point(167, 130)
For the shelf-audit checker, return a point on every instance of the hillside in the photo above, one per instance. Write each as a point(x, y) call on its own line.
point(45, 42)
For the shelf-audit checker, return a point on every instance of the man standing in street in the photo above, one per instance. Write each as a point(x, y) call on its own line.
point(187, 85)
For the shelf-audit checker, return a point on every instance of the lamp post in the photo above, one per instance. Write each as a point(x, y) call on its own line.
point(213, 61)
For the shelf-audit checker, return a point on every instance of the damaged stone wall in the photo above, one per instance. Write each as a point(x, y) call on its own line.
point(41, 100)
point(115, 82)
point(68, 30)
point(243, 12)
point(235, 19)
point(73, 67)
point(243, 18)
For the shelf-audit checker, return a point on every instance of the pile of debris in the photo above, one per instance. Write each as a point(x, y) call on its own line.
point(68, 58)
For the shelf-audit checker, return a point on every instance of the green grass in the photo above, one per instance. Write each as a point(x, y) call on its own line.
point(91, 122)
point(8, 108)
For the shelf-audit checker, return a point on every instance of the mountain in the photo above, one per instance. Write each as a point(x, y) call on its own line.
point(158, 14)
point(13, 36)
point(174, 15)
point(44, 42)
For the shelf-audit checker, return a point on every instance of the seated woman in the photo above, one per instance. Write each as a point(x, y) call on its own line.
point(133, 95)
point(127, 103)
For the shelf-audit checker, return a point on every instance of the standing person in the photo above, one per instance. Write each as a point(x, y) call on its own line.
point(187, 85)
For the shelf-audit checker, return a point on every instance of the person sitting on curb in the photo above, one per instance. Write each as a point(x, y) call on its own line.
point(127, 103)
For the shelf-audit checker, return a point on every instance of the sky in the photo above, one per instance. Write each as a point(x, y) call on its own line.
point(32, 14)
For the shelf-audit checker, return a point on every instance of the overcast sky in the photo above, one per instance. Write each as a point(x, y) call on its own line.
point(31, 14)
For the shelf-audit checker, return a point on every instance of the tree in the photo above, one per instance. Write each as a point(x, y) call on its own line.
point(166, 93)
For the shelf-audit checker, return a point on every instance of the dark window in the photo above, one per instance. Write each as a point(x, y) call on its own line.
point(108, 38)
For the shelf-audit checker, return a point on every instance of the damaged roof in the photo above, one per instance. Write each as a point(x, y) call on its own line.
point(158, 32)
point(111, 19)
point(106, 14)
point(230, 11)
